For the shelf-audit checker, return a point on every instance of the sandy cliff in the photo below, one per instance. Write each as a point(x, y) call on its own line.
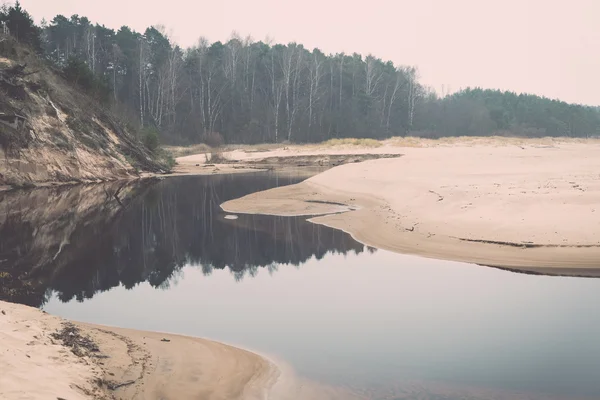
point(52, 132)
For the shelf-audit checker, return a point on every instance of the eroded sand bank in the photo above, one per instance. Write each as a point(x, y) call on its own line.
point(528, 205)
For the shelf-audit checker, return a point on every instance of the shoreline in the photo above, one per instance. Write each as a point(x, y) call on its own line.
point(525, 208)
point(75, 360)
point(539, 206)
point(82, 361)
point(368, 227)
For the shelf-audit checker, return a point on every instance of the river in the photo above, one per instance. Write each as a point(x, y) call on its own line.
point(163, 256)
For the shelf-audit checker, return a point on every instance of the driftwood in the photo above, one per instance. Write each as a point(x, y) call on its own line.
point(15, 121)
point(115, 385)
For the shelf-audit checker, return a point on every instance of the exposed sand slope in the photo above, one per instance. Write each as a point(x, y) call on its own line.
point(36, 366)
point(540, 204)
point(53, 132)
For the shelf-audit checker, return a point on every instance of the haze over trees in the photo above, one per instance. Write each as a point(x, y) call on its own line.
point(247, 91)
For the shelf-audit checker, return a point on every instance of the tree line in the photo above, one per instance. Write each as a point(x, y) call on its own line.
point(246, 91)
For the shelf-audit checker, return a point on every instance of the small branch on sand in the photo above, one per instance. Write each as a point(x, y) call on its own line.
point(115, 385)
point(440, 197)
point(412, 228)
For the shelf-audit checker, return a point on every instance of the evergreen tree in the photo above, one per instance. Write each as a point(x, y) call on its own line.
point(21, 26)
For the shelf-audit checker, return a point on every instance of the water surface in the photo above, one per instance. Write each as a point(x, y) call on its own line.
point(383, 325)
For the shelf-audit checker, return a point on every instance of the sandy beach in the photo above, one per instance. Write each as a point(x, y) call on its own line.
point(42, 360)
point(47, 357)
point(526, 204)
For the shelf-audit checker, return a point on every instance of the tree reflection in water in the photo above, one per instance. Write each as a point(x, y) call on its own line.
point(86, 239)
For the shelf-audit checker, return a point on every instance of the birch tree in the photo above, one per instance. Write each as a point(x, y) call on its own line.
point(399, 83)
point(277, 87)
point(233, 55)
point(372, 74)
point(142, 50)
point(411, 76)
point(315, 69)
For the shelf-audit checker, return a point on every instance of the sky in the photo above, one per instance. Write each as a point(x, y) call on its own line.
point(545, 47)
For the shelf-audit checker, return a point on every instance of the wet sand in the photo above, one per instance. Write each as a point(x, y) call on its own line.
point(128, 363)
point(531, 205)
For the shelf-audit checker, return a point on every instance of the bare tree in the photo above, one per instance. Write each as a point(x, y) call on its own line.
point(341, 78)
point(373, 75)
point(173, 74)
point(411, 75)
point(117, 56)
point(213, 87)
point(277, 95)
point(201, 54)
point(277, 89)
point(400, 82)
point(90, 46)
point(287, 66)
point(233, 54)
point(249, 65)
point(291, 62)
point(315, 70)
point(142, 74)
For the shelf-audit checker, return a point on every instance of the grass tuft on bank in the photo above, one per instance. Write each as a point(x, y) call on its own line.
point(352, 142)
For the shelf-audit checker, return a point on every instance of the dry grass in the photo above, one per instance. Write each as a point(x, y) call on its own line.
point(351, 142)
point(255, 148)
point(415, 141)
point(407, 141)
point(182, 151)
point(217, 157)
point(411, 141)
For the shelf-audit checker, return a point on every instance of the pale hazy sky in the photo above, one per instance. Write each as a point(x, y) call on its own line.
point(546, 47)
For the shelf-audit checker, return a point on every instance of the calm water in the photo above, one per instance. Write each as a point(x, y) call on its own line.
point(161, 256)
